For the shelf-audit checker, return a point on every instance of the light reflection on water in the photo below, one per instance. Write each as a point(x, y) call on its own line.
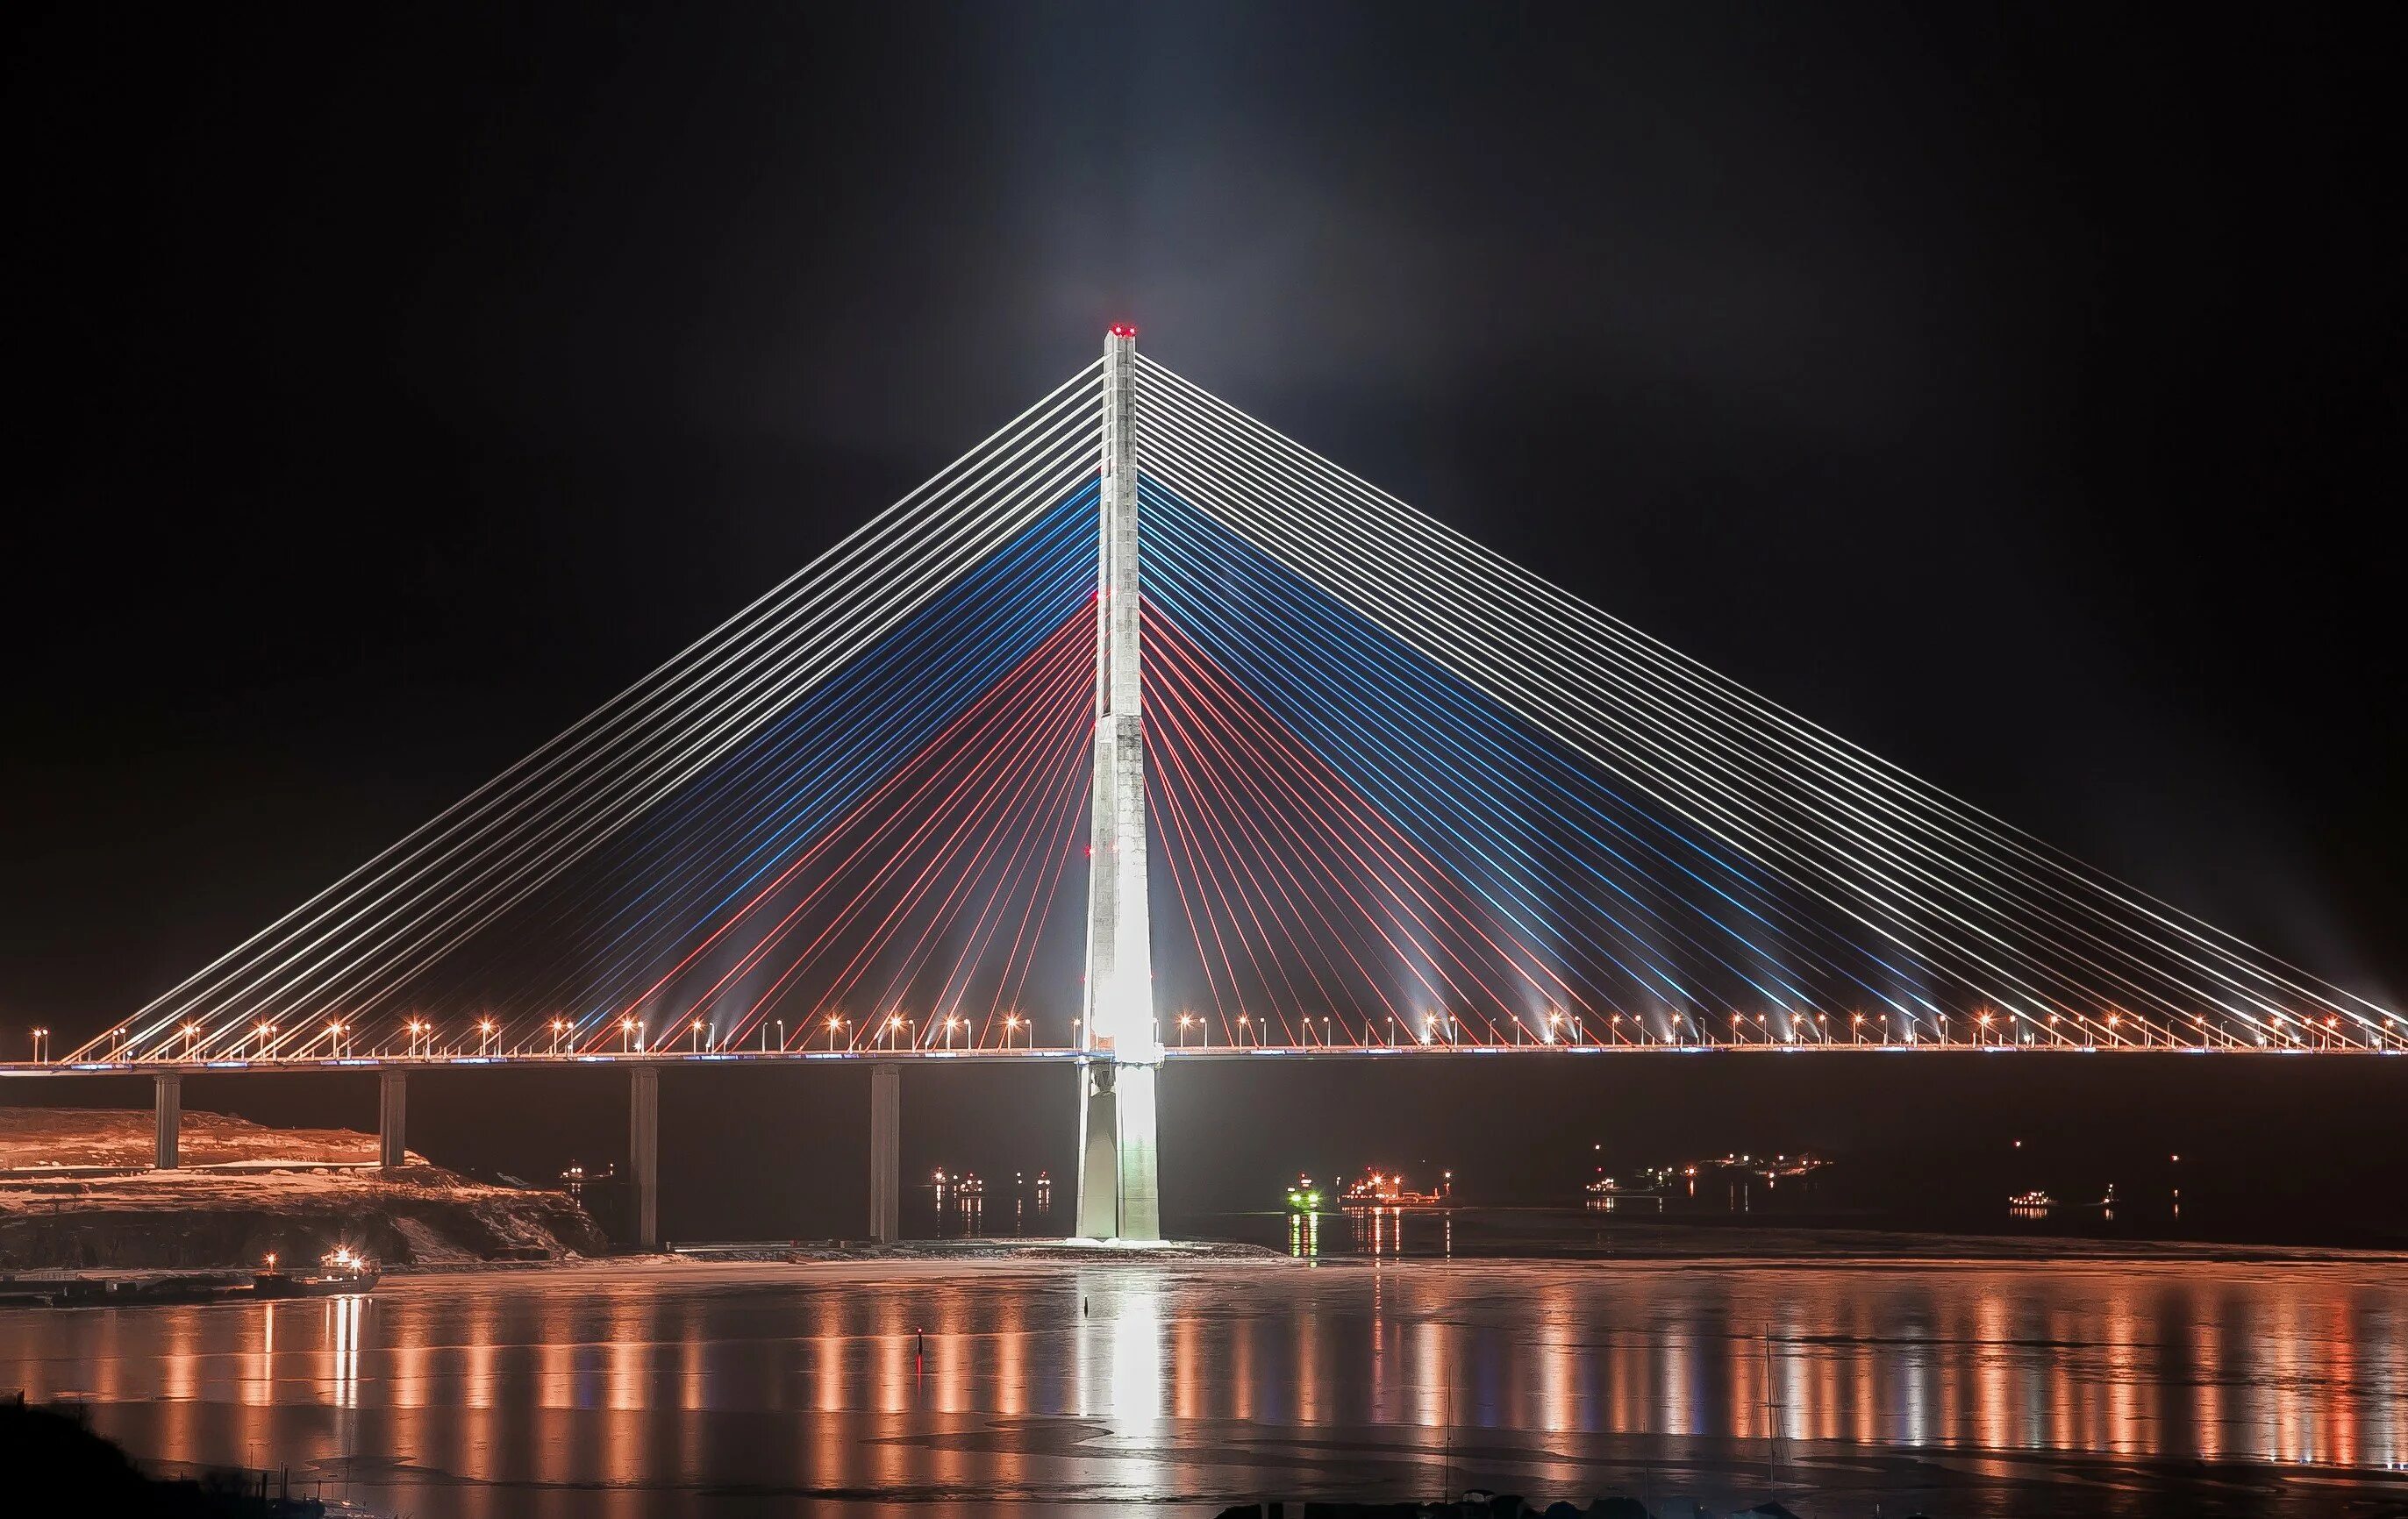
point(1024, 1379)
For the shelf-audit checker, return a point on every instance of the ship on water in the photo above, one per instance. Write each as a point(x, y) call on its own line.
point(1388, 1189)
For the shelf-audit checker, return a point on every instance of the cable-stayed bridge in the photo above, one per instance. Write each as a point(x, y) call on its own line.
point(1394, 796)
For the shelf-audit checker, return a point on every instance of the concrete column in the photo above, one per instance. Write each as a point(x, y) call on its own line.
point(1141, 1189)
point(167, 1117)
point(644, 1153)
point(885, 1153)
point(1118, 1196)
point(1098, 1211)
point(1116, 1122)
point(392, 1117)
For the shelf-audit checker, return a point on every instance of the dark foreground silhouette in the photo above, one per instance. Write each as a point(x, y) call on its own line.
point(57, 1467)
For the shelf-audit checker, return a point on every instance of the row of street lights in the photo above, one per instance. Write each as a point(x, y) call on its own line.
point(1436, 1029)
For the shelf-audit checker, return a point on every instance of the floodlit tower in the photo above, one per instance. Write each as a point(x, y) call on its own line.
point(1117, 1196)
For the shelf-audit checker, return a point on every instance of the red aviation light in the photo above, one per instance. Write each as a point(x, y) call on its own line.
point(1122, 329)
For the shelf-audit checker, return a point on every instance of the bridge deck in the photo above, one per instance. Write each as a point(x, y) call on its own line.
point(1045, 1055)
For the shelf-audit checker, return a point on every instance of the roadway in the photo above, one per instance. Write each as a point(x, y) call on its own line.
point(224, 1065)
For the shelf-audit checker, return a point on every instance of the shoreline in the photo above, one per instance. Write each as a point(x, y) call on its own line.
point(1851, 1250)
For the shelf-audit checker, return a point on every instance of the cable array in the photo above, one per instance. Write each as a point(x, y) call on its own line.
point(365, 940)
point(1314, 917)
point(1955, 909)
point(1406, 792)
point(915, 917)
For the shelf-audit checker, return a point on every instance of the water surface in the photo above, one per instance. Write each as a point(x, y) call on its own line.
point(1020, 1385)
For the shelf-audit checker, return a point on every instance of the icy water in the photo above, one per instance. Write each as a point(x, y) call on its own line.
point(1019, 1386)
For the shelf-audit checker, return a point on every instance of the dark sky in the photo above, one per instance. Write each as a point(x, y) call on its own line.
point(2020, 393)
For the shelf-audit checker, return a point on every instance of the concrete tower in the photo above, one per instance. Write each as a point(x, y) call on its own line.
point(1117, 1196)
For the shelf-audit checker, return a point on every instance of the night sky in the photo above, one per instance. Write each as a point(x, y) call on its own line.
point(2020, 395)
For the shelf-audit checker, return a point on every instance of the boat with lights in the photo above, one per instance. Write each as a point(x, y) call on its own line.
point(1387, 1189)
point(340, 1271)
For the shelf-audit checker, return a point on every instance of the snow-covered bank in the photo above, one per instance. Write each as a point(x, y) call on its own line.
point(195, 1217)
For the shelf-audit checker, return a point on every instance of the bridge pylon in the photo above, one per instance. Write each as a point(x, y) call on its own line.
point(1118, 1196)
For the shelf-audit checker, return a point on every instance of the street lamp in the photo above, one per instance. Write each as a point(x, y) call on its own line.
point(267, 1031)
point(1012, 1022)
point(953, 1022)
point(484, 1036)
point(335, 1037)
point(41, 1040)
point(192, 1032)
point(894, 1029)
point(559, 1034)
point(628, 1041)
point(834, 1023)
point(697, 1035)
point(1186, 1021)
point(781, 1036)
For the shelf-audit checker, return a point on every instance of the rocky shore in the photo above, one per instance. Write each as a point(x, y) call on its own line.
point(74, 1195)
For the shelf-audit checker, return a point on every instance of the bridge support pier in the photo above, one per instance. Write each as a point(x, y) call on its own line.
point(644, 1153)
point(392, 1117)
point(166, 1118)
point(885, 1153)
point(1118, 1193)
